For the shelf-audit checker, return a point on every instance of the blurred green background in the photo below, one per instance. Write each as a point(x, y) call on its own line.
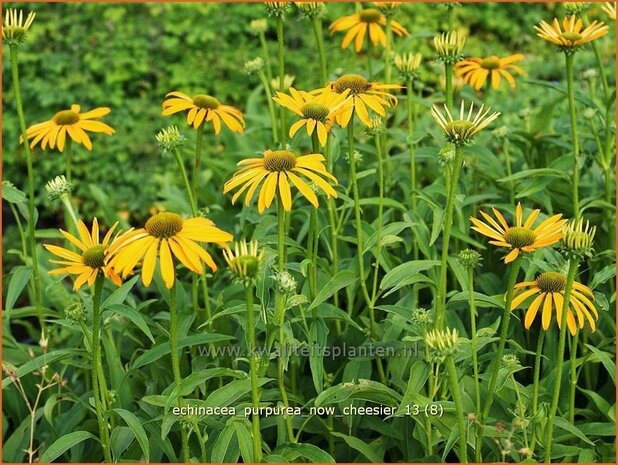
point(128, 56)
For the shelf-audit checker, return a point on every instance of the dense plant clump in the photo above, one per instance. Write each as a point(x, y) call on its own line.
point(309, 232)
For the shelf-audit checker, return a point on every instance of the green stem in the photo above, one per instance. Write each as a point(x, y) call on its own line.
point(36, 283)
point(549, 431)
point(597, 55)
point(271, 106)
point(504, 330)
point(410, 92)
point(280, 315)
point(255, 393)
point(176, 365)
point(319, 39)
point(572, 111)
point(68, 158)
point(281, 49)
point(269, 73)
point(374, 290)
point(185, 180)
point(574, 373)
point(357, 213)
point(314, 234)
point(96, 361)
point(509, 170)
point(520, 408)
point(446, 236)
point(452, 374)
point(195, 177)
point(448, 84)
point(535, 385)
point(387, 51)
point(22, 232)
point(474, 341)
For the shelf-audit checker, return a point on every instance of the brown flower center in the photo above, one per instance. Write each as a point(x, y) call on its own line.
point(551, 282)
point(164, 225)
point(490, 63)
point(370, 15)
point(356, 83)
point(65, 118)
point(94, 257)
point(206, 101)
point(279, 160)
point(571, 36)
point(519, 237)
point(315, 111)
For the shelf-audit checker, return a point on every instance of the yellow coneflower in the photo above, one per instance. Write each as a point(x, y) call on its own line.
point(362, 94)
point(366, 21)
point(462, 131)
point(476, 71)
point(316, 112)
point(89, 261)
point(165, 235)
point(407, 64)
point(14, 28)
point(449, 46)
point(275, 171)
point(245, 260)
point(610, 9)
point(201, 109)
point(521, 238)
point(571, 34)
point(69, 122)
point(549, 291)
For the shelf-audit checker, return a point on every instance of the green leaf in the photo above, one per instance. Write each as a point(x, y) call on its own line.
point(231, 392)
point(293, 452)
point(19, 280)
point(12, 194)
point(362, 447)
point(400, 276)
point(245, 441)
point(64, 443)
point(225, 449)
point(607, 362)
point(133, 315)
point(535, 173)
point(339, 281)
point(364, 389)
point(138, 430)
point(38, 362)
point(120, 294)
point(163, 349)
point(318, 334)
point(565, 425)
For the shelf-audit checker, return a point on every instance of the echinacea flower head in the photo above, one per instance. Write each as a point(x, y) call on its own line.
point(610, 9)
point(14, 28)
point(69, 122)
point(89, 261)
point(275, 171)
point(202, 109)
point(449, 46)
point(254, 66)
point(441, 343)
point(245, 261)
point(170, 139)
point(366, 22)
point(469, 258)
point(58, 187)
point(288, 80)
point(388, 8)
point(522, 237)
point(572, 34)
point(578, 239)
point(258, 26)
point(316, 112)
point(462, 131)
point(164, 236)
point(407, 64)
point(362, 95)
point(277, 9)
point(576, 8)
point(310, 9)
point(548, 289)
point(477, 71)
